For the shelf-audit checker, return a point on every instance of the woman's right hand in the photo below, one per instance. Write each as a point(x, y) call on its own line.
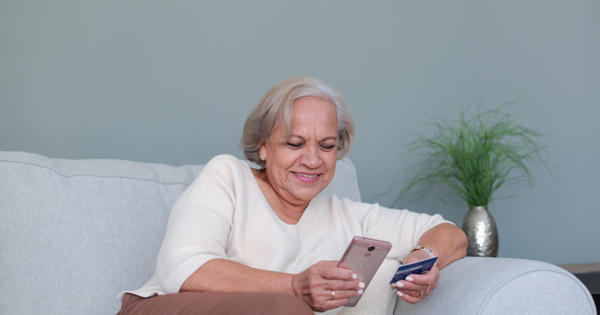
point(325, 286)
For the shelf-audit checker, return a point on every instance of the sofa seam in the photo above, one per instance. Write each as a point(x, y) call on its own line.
point(95, 176)
point(500, 287)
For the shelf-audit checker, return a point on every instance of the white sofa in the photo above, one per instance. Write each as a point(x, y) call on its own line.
point(75, 233)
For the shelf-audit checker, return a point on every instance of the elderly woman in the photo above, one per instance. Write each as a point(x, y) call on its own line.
point(243, 240)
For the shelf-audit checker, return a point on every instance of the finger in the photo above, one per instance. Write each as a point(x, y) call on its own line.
point(411, 286)
point(332, 263)
point(345, 284)
point(418, 283)
point(328, 263)
point(424, 279)
point(337, 273)
point(410, 298)
point(414, 293)
point(342, 294)
point(327, 300)
point(342, 265)
point(429, 279)
point(329, 269)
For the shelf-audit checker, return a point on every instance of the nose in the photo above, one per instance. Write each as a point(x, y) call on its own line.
point(310, 157)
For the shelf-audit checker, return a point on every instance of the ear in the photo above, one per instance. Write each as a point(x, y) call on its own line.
point(262, 152)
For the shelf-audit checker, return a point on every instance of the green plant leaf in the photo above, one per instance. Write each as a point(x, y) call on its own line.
point(474, 156)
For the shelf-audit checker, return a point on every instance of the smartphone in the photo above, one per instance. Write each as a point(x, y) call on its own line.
point(364, 255)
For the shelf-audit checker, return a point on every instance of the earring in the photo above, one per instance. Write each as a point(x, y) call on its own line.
point(262, 157)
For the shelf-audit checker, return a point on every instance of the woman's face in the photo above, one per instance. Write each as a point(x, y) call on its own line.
point(301, 165)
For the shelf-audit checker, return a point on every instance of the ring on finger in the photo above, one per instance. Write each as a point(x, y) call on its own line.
point(332, 294)
point(420, 294)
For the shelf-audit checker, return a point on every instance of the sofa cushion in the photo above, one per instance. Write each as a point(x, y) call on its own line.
point(75, 233)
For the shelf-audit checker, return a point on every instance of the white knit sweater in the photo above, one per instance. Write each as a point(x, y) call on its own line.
point(223, 214)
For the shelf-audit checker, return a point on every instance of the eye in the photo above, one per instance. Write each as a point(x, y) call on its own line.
point(328, 147)
point(294, 144)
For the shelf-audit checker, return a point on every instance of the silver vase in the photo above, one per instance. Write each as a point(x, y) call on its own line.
point(480, 227)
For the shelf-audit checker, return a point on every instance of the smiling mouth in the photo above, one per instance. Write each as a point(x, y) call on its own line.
point(306, 175)
point(306, 178)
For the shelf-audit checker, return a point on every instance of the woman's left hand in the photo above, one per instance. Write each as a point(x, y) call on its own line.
point(415, 288)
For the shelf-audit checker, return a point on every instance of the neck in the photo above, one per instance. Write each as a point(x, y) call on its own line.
point(288, 212)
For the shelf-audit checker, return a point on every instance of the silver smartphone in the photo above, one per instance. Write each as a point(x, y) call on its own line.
point(364, 255)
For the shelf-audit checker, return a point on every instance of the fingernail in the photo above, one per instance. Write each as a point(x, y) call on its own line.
point(360, 291)
point(399, 294)
point(399, 284)
point(354, 276)
point(409, 278)
point(361, 285)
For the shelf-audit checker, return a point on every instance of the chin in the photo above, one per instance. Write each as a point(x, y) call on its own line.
point(308, 195)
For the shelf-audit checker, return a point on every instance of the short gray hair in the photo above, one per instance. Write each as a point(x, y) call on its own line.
point(276, 105)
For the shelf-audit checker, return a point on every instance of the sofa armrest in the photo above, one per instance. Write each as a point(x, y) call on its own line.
point(478, 285)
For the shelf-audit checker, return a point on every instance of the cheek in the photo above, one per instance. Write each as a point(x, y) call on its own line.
point(290, 158)
point(330, 163)
point(282, 163)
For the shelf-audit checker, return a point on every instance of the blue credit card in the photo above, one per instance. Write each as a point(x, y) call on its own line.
point(415, 268)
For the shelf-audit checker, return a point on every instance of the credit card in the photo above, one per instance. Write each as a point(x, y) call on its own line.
point(415, 268)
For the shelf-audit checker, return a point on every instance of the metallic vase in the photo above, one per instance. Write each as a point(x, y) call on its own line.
point(480, 227)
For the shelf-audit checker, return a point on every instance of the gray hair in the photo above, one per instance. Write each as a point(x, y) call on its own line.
point(276, 105)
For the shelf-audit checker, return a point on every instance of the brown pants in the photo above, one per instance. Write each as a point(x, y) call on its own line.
point(214, 303)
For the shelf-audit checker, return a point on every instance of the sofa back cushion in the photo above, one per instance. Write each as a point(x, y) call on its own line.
point(75, 233)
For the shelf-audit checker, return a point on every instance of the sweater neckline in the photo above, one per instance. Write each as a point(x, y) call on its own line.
point(256, 186)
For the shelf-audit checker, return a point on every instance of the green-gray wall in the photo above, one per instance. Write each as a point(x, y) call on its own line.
point(172, 82)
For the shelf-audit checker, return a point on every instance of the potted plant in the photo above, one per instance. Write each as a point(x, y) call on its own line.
point(474, 156)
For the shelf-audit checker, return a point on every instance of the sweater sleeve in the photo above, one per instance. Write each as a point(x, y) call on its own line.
point(199, 224)
point(402, 228)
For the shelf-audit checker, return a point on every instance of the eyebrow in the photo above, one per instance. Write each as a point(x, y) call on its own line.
point(324, 139)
